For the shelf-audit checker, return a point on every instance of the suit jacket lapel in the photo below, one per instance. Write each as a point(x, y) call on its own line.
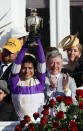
point(5, 75)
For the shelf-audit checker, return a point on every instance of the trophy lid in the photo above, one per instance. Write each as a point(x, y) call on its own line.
point(33, 11)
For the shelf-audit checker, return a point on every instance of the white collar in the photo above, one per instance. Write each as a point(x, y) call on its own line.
point(49, 74)
point(2, 63)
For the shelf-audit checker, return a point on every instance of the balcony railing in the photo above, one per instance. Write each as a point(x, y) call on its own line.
point(8, 126)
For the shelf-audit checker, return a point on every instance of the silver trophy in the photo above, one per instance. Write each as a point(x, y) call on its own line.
point(34, 25)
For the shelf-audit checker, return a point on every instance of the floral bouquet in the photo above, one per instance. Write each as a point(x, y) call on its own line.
point(58, 120)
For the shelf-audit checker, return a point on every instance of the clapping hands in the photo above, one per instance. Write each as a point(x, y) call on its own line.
point(53, 82)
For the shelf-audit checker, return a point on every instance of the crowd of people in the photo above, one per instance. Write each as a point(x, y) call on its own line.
point(27, 82)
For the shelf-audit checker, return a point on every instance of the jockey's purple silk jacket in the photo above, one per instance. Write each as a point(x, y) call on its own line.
point(28, 95)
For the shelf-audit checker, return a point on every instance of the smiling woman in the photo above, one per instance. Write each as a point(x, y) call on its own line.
point(74, 51)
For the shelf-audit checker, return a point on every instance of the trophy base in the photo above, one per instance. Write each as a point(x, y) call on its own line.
point(32, 39)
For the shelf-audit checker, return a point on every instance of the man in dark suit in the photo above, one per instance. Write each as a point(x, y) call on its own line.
point(10, 51)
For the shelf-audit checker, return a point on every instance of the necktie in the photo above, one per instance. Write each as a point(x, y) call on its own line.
point(55, 92)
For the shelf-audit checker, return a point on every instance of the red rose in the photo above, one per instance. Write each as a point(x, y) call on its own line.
point(27, 118)
point(73, 124)
point(79, 92)
point(59, 99)
point(46, 106)
point(18, 128)
point(81, 95)
point(36, 115)
point(52, 103)
point(44, 118)
point(43, 122)
point(55, 124)
point(67, 100)
point(22, 123)
point(45, 112)
point(60, 115)
point(81, 105)
point(31, 127)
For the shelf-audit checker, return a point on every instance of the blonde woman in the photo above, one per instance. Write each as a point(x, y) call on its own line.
point(74, 50)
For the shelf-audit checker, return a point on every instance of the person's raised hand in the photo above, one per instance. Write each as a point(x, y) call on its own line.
point(65, 81)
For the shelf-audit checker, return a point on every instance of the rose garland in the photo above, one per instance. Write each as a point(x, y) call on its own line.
point(71, 120)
